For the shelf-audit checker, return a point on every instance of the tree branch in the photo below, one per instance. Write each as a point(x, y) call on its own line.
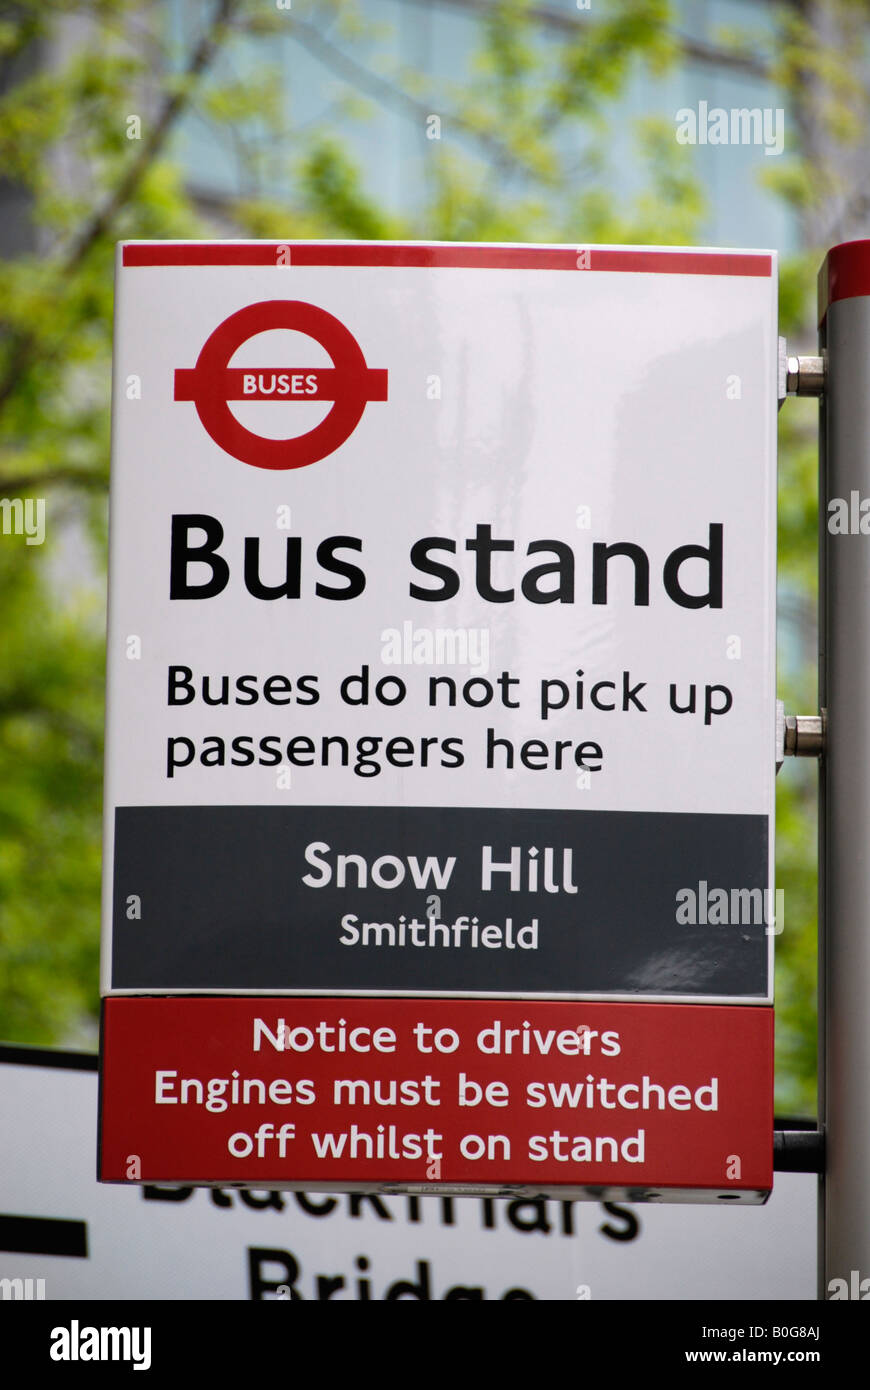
point(696, 50)
point(384, 92)
point(50, 477)
point(202, 57)
point(24, 350)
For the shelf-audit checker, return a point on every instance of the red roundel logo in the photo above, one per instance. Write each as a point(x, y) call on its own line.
point(349, 383)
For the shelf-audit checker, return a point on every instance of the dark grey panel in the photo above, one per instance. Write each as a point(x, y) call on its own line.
point(224, 906)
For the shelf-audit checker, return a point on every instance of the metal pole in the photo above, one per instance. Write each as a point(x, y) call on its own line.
point(844, 809)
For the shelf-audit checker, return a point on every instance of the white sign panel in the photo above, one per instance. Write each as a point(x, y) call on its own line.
point(441, 653)
point(87, 1240)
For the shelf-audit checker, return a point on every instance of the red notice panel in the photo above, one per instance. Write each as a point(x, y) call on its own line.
point(437, 1095)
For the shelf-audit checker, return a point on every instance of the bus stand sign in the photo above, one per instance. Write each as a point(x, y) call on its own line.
point(441, 708)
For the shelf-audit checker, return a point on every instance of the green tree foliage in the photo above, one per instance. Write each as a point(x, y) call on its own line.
point(524, 151)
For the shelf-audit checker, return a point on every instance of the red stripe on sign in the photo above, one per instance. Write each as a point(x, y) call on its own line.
point(683, 262)
point(448, 257)
point(844, 274)
point(441, 257)
point(200, 253)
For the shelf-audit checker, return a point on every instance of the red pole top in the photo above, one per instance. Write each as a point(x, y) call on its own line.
point(844, 274)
